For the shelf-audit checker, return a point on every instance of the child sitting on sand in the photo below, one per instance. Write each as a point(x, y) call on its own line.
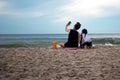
point(85, 39)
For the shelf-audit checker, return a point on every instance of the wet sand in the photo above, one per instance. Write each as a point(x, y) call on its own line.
point(100, 63)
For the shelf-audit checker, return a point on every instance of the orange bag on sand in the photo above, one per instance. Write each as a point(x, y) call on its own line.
point(54, 44)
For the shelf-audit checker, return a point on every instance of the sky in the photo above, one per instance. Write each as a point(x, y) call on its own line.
point(51, 16)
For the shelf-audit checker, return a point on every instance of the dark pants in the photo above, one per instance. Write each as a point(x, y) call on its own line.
point(87, 44)
point(71, 44)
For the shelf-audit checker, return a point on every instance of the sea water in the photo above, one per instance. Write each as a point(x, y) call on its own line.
point(44, 40)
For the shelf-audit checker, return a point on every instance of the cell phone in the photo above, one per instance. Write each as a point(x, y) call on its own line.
point(68, 23)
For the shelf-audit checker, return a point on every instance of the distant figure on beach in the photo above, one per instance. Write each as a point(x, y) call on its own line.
point(73, 37)
point(85, 41)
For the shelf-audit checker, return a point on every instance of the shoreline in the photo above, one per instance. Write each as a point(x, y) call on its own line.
point(49, 45)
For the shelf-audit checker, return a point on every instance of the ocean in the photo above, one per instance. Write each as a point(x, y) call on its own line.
point(45, 40)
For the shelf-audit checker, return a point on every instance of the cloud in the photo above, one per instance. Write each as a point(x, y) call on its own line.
point(5, 9)
point(64, 11)
point(22, 14)
point(89, 8)
point(3, 5)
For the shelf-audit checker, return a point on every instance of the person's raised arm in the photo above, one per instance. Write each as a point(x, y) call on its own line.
point(66, 28)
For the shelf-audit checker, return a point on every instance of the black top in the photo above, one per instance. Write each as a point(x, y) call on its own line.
point(72, 39)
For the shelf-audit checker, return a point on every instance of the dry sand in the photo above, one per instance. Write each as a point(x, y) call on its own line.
point(101, 63)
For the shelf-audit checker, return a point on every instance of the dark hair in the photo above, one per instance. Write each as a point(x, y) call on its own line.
point(77, 25)
point(84, 31)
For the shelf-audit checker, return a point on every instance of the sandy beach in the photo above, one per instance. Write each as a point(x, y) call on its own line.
point(100, 63)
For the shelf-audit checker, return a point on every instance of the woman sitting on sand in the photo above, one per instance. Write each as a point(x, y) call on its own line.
point(85, 40)
point(73, 37)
